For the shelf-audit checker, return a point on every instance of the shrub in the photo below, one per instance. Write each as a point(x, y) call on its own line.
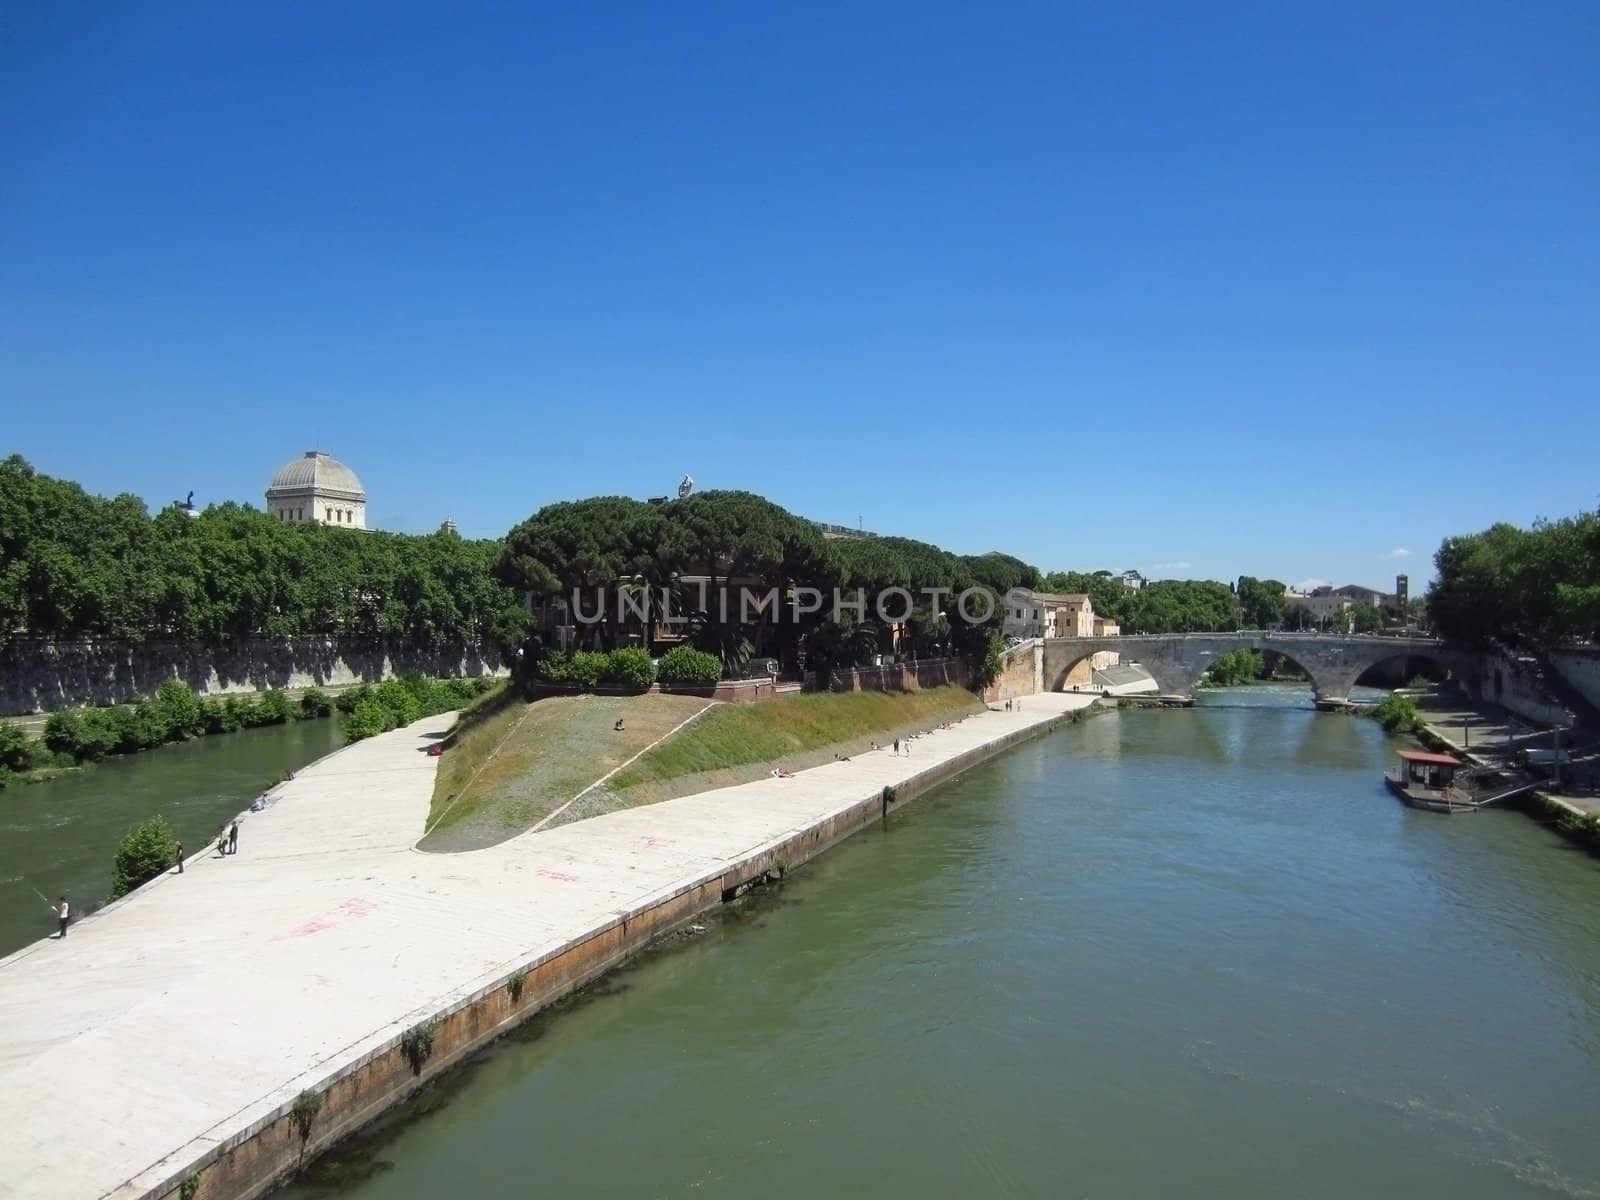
point(369, 719)
point(400, 700)
point(351, 697)
point(273, 708)
point(146, 851)
point(18, 752)
point(241, 713)
point(180, 709)
point(1398, 714)
point(416, 1044)
point(128, 730)
point(217, 716)
point(79, 734)
point(304, 1113)
point(1234, 668)
point(688, 667)
point(315, 703)
point(579, 668)
point(630, 667)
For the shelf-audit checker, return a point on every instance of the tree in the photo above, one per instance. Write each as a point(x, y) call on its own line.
point(1235, 668)
point(1364, 618)
point(146, 851)
point(1533, 586)
point(1261, 601)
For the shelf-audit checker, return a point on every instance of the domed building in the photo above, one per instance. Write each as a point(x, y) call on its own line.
point(318, 487)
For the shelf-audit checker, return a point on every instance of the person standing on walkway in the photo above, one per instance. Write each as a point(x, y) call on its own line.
point(63, 912)
point(233, 838)
point(897, 747)
point(180, 858)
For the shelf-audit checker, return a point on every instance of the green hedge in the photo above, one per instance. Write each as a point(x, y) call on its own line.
point(175, 713)
point(629, 667)
point(688, 667)
point(397, 702)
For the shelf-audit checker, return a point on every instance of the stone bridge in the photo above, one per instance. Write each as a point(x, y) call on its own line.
point(1177, 661)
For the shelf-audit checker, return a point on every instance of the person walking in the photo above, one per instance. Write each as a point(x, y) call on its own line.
point(63, 912)
point(233, 838)
point(180, 858)
point(897, 747)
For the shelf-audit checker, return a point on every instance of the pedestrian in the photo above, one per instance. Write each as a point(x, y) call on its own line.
point(63, 912)
point(897, 747)
point(180, 858)
point(233, 838)
point(222, 840)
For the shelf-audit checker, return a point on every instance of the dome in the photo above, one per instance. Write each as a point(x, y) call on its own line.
point(319, 472)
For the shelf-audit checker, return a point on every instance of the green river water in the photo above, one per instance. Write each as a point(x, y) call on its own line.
point(1166, 953)
point(1179, 953)
point(61, 836)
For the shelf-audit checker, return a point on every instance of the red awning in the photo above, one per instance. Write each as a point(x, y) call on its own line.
point(1434, 760)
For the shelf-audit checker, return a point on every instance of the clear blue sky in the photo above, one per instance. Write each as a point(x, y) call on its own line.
point(1277, 289)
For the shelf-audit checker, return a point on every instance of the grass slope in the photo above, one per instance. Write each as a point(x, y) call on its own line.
point(739, 742)
point(509, 767)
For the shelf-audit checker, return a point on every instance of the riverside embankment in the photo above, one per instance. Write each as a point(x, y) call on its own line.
point(168, 1039)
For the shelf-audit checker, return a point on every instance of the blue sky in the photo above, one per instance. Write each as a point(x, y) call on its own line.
point(1198, 289)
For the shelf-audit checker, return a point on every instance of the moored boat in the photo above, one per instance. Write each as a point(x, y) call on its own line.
point(1426, 780)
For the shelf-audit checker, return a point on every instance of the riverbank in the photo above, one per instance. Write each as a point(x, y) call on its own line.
point(170, 1037)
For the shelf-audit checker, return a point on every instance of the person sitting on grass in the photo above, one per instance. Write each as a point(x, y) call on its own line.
point(618, 725)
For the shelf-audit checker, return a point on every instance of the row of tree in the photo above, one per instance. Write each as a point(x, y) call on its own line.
point(75, 564)
point(711, 550)
point(1528, 587)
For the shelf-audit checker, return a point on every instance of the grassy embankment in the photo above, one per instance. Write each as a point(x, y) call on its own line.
point(511, 767)
point(741, 742)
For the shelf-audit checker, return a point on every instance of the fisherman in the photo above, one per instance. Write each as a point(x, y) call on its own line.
point(63, 912)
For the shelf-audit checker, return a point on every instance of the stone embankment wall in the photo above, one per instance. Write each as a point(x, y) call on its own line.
point(38, 675)
point(1580, 666)
point(252, 1162)
point(1022, 674)
point(1512, 684)
point(900, 677)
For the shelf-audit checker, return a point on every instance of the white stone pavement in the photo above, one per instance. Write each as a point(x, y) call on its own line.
point(205, 1001)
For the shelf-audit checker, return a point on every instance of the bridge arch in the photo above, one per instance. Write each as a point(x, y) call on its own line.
point(1177, 661)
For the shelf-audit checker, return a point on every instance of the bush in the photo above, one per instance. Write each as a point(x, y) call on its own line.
point(688, 667)
point(400, 700)
point(315, 703)
point(369, 719)
point(273, 708)
point(145, 852)
point(580, 668)
point(1398, 714)
point(78, 734)
point(141, 727)
point(216, 716)
point(630, 667)
point(1236, 667)
point(18, 752)
point(179, 708)
point(350, 698)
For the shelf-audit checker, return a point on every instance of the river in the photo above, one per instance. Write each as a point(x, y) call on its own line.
point(1196, 952)
point(1184, 952)
point(61, 835)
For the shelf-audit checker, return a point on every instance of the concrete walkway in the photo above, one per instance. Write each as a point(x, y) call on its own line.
point(202, 1003)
